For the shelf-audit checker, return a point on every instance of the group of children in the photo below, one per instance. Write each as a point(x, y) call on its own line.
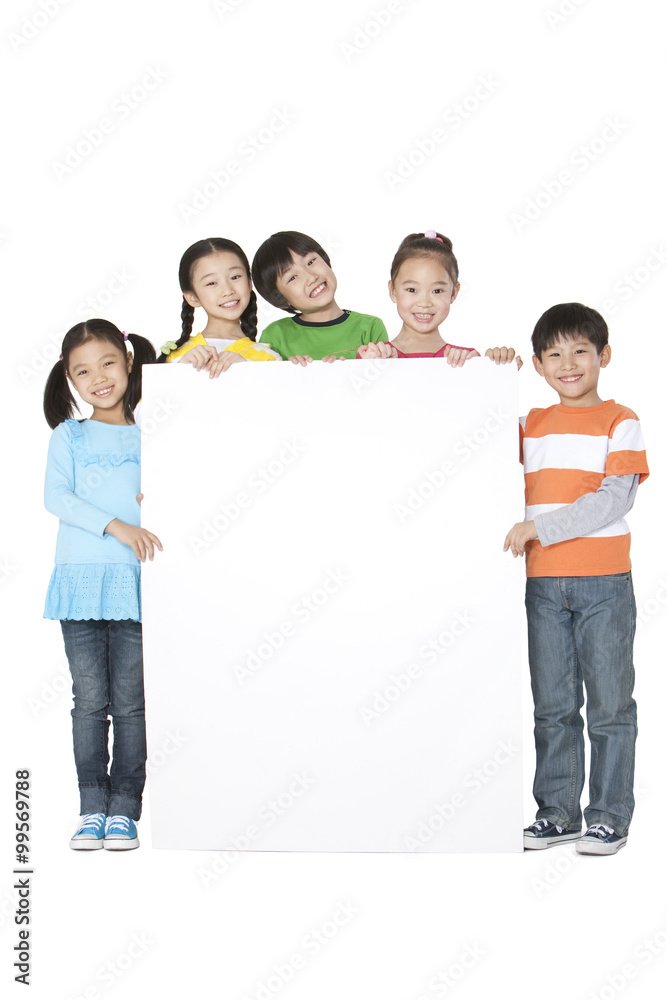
point(583, 460)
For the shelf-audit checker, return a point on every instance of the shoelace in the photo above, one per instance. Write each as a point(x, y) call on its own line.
point(92, 822)
point(121, 824)
point(600, 830)
point(542, 824)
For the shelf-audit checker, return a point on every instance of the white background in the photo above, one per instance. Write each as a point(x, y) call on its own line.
point(336, 626)
point(542, 923)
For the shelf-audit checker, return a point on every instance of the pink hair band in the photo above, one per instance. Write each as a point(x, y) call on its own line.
point(431, 234)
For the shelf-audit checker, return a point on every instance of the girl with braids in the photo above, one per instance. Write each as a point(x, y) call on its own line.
point(215, 275)
point(424, 283)
point(92, 482)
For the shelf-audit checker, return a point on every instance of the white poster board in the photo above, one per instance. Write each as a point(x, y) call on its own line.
point(333, 633)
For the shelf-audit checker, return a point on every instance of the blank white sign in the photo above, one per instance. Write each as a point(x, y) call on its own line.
point(333, 633)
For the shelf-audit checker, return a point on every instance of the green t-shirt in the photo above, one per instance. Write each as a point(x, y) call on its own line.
point(293, 335)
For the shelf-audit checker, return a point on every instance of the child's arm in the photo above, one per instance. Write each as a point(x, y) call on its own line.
point(61, 500)
point(522, 532)
point(612, 500)
point(139, 539)
point(59, 496)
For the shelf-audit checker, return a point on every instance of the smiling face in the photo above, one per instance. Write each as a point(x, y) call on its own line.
point(572, 368)
point(99, 371)
point(221, 286)
point(309, 285)
point(423, 292)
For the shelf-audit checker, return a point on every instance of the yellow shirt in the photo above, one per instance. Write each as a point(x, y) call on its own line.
point(243, 346)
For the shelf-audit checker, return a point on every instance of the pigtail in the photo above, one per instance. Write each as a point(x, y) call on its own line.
point(249, 318)
point(187, 320)
point(143, 353)
point(203, 248)
point(59, 404)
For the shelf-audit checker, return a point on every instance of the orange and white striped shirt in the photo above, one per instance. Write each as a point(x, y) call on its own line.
point(567, 451)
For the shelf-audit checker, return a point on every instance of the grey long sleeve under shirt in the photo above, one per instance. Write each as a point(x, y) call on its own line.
point(611, 501)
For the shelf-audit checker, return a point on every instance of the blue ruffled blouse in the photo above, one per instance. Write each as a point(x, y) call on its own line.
point(92, 477)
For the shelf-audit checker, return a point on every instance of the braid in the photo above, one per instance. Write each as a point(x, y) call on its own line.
point(59, 404)
point(187, 319)
point(249, 319)
point(203, 248)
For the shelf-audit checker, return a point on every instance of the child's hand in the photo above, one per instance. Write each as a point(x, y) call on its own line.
point(140, 540)
point(199, 356)
point(333, 357)
point(377, 350)
point(457, 356)
point(222, 363)
point(301, 359)
point(139, 497)
point(522, 532)
point(503, 356)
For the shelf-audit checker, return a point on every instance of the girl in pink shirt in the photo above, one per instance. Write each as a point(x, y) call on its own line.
point(424, 283)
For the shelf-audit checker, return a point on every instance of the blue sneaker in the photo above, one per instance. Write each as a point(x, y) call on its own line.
point(600, 839)
point(542, 834)
point(121, 834)
point(90, 835)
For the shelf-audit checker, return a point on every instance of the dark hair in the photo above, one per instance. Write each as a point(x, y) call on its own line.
point(569, 320)
point(59, 403)
point(203, 248)
point(274, 257)
point(421, 245)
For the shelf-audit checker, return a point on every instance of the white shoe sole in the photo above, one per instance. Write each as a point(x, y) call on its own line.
point(91, 844)
point(120, 844)
point(597, 847)
point(541, 843)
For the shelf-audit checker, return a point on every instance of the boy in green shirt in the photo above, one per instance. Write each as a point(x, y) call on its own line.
point(293, 272)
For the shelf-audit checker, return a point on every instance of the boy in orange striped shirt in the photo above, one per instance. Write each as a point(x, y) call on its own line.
point(583, 461)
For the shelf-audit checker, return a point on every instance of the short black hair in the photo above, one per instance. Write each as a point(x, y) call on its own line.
point(569, 320)
point(274, 257)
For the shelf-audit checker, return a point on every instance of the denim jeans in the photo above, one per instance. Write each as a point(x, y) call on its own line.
point(580, 635)
point(106, 663)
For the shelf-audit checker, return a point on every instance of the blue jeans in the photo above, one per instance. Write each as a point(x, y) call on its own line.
point(106, 663)
point(580, 635)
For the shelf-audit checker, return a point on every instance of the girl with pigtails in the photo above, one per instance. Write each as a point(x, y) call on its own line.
point(215, 275)
point(92, 486)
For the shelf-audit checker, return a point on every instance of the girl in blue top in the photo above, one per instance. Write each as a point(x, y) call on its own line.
point(92, 483)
